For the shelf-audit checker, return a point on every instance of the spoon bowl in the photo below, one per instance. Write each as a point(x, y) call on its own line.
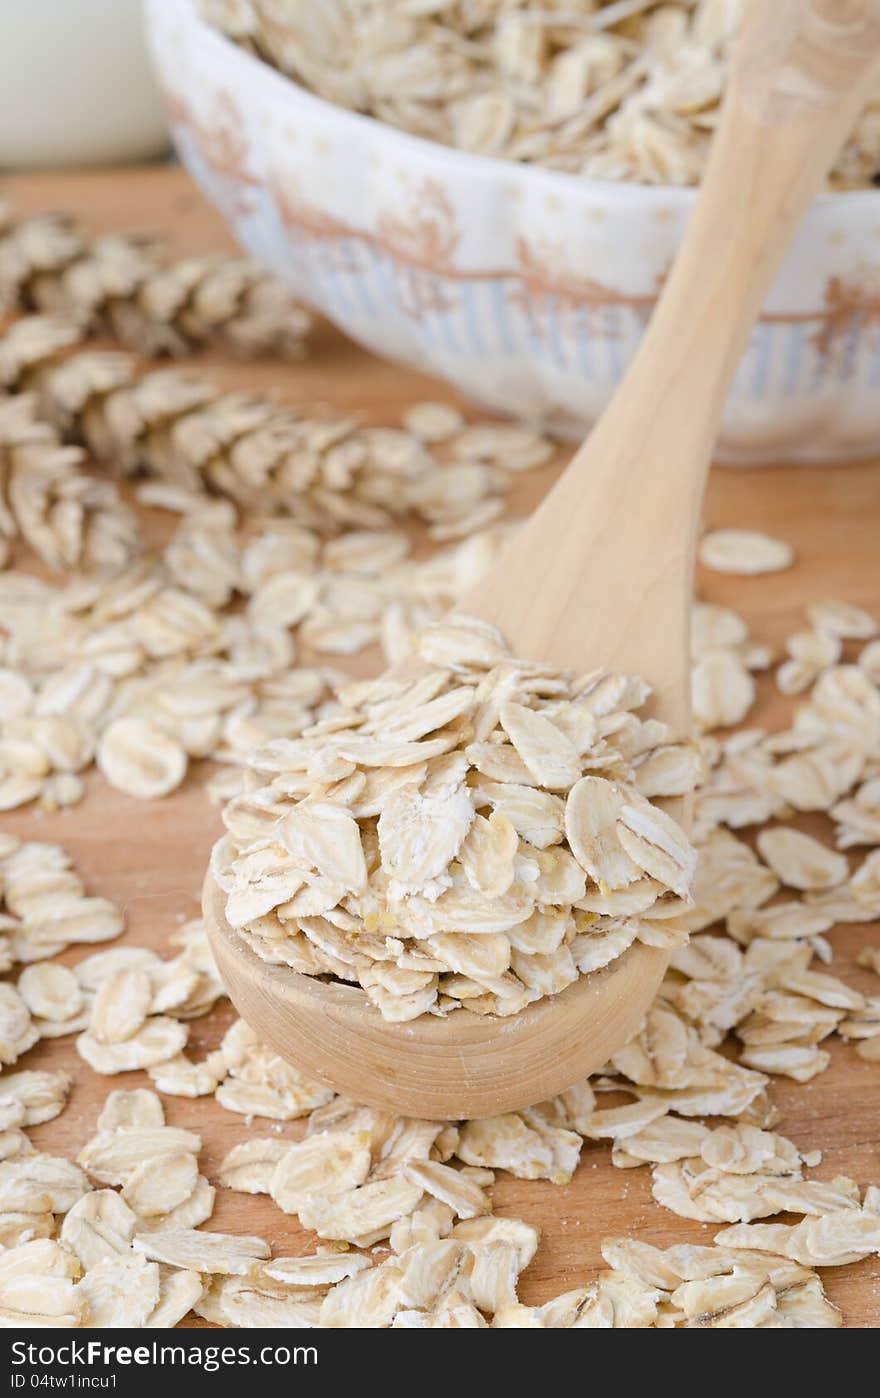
point(464, 1066)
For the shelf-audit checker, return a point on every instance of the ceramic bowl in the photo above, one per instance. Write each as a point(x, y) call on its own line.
point(525, 288)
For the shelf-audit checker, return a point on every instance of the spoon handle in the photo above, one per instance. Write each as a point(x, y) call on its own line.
point(609, 554)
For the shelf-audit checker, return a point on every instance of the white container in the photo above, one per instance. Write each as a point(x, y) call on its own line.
point(76, 85)
point(526, 288)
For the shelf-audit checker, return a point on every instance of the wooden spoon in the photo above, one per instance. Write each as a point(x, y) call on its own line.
point(602, 573)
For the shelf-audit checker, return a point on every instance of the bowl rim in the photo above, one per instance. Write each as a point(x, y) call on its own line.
point(620, 193)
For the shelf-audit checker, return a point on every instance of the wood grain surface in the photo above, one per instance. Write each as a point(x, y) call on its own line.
point(150, 856)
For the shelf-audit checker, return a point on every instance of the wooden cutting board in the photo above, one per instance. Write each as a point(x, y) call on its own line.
point(149, 856)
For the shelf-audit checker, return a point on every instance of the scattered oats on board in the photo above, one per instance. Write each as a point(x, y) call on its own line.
point(70, 519)
point(44, 908)
point(328, 473)
point(149, 667)
point(724, 658)
point(744, 551)
point(493, 835)
point(842, 619)
point(801, 861)
point(810, 653)
point(120, 286)
point(426, 1187)
point(140, 759)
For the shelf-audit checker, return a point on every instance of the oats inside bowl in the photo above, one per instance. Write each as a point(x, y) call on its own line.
point(609, 89)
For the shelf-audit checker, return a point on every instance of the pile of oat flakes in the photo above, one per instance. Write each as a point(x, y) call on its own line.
point(145, 660)
point(608, 89)
point(478, 833)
